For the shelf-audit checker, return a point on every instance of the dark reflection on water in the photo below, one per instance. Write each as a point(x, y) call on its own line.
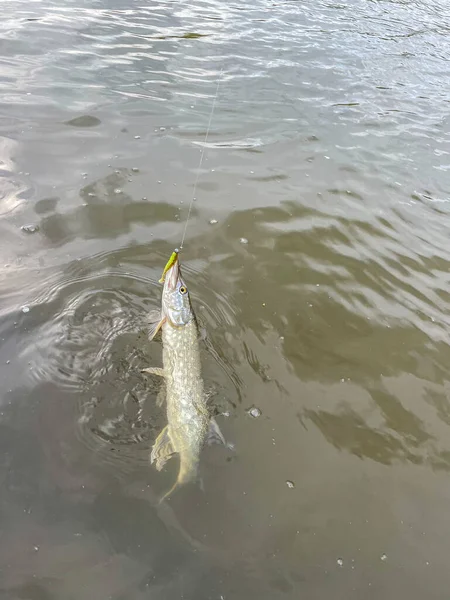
point(317, 256)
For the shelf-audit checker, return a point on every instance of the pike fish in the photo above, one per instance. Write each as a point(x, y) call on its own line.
point(189, 423)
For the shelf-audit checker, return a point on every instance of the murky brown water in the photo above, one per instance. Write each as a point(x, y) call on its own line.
point(329, 153)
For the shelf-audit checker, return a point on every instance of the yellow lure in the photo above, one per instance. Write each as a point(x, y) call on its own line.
point(170, 262)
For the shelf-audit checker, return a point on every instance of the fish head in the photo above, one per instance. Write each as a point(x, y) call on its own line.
point(176, 304)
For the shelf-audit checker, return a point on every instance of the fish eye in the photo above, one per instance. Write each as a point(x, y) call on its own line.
point(183, 289)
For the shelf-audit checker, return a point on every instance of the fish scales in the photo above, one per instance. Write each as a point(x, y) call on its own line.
point(185, 397)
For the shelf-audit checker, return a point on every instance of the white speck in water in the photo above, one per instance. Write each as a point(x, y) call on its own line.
point(8, 362)
point(244, 241)
point(340, 562)
point(25, 309)
point(159, 181)
point(213, 221)
point(290, 484)
point(135, 169)
point(144, 198)
point(36, 548)
point(162, 128)
point(137, 137)
point(117, 191)
point(427, 563)
point(383, 556)
point(30, 228)
point(254, 412)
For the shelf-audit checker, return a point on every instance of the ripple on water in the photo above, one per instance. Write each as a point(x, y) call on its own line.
point(89, 335)
point(93, 347)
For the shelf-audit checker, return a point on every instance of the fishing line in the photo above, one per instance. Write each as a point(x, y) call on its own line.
point(201, 159)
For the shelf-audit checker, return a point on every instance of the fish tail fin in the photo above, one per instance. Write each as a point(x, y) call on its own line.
point(188, 472)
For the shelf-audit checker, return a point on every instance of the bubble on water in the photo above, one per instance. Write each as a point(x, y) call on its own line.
point(117, 191)
point(244, 241)
point(383, 556)
point(144, 198)
point(137, 137)
point(213, 221)
point(340, 562)
point(254, 412)
point(135, 169)
point(30, 228)
point(159, 180)
point(25, 309)
point(290, 484)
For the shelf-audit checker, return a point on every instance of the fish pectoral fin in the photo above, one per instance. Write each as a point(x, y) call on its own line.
point(215, 436)
point(210, 394)
point(154, 371)
point(155, 321)
point(162, 449)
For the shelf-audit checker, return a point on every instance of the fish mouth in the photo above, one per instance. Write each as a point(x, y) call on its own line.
point(172, 274)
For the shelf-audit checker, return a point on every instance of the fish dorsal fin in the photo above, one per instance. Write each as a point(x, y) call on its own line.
point(155, 321)
point(215, 436)
point(162, 449)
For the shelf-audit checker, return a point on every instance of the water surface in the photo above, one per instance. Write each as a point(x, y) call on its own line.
point(329, 154)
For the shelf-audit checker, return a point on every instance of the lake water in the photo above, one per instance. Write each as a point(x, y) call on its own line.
point(318, 259)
